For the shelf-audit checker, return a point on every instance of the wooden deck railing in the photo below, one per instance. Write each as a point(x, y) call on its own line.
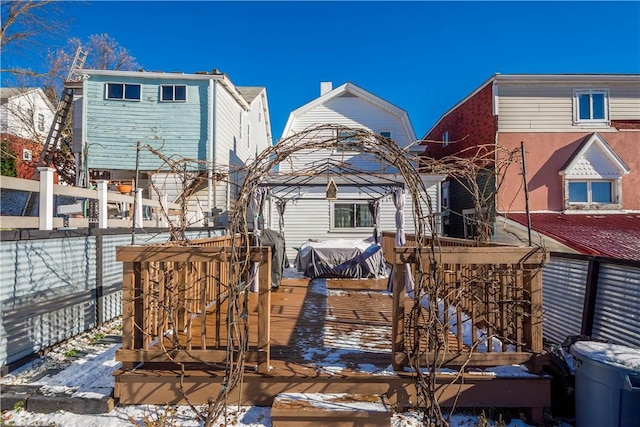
point(487, 296)
point(389, 243)
point(173, 298)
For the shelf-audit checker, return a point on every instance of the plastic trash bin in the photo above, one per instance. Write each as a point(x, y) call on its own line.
point(607, 384)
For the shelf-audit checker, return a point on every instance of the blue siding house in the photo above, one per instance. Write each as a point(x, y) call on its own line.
point(202, 119)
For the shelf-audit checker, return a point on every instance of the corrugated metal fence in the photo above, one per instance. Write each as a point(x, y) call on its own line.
point(592, 296)
point(55, 285)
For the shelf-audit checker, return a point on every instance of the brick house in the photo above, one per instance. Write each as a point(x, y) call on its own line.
point(581, 135)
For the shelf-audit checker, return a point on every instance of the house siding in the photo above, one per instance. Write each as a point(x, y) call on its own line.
point(472, 123)
point(298, 229)
point(460, 199)
point(16, 120)
point(229, 144)
point(549, 107)
point(543, 166)
point(113, 127)
point(350, 111)
point(539, 113)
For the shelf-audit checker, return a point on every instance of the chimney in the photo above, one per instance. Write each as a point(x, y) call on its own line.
point(325, 87)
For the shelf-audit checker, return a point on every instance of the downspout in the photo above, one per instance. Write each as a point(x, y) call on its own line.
point(211, 141)
point(496, 112)
point(84, 147)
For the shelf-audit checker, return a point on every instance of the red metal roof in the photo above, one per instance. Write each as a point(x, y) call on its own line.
point(610, 235)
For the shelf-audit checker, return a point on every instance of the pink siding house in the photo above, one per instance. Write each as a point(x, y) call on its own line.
point(581, 135)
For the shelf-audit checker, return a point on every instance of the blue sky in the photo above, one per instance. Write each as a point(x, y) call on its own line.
point(421, 56)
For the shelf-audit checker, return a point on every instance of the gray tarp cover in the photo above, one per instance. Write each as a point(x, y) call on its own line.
point(341, 262)
point(275, 241)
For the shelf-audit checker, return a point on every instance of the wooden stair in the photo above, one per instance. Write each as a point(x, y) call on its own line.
point(329, 410)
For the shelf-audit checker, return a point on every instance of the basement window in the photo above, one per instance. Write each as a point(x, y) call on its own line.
point(123, 91)
point(173, 93)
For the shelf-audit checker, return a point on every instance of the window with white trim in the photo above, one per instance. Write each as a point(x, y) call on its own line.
point(591, 106)
point(346, 140)
point(385, 133)
point(591, 192)
point(445, 139)
point(173, 93)
point(27, 155)
point(41, 122)
point(445, 195)
point(123, 91)
point(469, 220)
point(351, 215)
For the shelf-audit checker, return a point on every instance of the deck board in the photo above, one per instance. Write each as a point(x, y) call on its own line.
point(326, 335)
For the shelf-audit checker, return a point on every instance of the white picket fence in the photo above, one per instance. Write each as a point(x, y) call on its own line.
point(149, 213)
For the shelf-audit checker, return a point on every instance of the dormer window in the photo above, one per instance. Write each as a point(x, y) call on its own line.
point(591, 106)
point(591, 191)
point(593, 176)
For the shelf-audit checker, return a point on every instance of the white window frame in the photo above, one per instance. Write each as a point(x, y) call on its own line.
point(469, 222)
point(240, 127)
point(576, 107)
point(446, 202)
point(615, 200)
point(347, 135)
point(445, 139)
point(27, 155)
point(41, 122)
point(386, 131)
point(355, 210)
point(173, 93)
point(124, 91)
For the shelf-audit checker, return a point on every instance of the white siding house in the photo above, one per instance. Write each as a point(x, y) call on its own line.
point(25, 119)
point(308, 214)
point(548, 103)
point(26, 113)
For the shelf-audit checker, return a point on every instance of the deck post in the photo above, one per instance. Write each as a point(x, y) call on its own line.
point(264, 311)
point(103, 217)
point(46, 198)
point(533, 285)
point(397, 315)
point(128, 310)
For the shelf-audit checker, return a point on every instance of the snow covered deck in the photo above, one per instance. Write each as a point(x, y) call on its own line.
point(326, 336)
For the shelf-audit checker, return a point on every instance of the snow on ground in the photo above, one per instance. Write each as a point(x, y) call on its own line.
point(183, 416)
point(83, 366)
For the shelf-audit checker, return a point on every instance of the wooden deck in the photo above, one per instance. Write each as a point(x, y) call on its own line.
point(329, 336)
